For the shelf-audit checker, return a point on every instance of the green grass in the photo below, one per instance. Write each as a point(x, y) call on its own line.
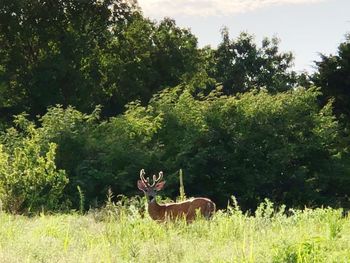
point(319, 235)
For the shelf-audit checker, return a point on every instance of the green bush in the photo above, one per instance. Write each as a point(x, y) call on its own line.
point(284, 147)
point(256, 145)
point(98, 155)
point(29, 180)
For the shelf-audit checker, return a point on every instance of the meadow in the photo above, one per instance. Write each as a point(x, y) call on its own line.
point(123, 234)
point(93, 91)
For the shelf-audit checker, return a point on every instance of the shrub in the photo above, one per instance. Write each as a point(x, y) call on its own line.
point(256, 145)
point(29, 180)
point(284, 147)
point(98, 155)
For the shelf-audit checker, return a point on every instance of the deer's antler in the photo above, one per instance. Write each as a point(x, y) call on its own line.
point(157, 179)
point(142, 177)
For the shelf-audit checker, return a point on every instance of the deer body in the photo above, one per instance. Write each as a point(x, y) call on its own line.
point(187, 209)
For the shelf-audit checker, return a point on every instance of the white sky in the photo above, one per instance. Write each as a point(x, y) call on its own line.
point(207, 8)
point(305, 27)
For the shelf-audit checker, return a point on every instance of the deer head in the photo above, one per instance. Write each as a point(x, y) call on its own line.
point(150, 190)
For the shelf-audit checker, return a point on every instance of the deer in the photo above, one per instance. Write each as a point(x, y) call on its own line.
point(188, 209)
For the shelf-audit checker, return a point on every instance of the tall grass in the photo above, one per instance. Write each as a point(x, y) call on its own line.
point(119, 233)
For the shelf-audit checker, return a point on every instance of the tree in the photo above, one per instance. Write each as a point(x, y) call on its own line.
point(241, 66)
point(148, 57)
point(333, 76)
point(53, 51)
point(84, 53)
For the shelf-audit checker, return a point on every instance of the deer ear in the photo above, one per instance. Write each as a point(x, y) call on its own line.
point(141, 185)
point(160, 185)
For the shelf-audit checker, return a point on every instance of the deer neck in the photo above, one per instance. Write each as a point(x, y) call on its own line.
point(155, 210)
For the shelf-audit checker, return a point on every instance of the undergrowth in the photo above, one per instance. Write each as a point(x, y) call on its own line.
point(123, 232)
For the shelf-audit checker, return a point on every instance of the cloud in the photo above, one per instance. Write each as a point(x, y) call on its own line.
point(161, 8)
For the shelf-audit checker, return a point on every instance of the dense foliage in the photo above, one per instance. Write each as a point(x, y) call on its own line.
point(29, 179)
point(240, 65)
point(333, 77)
point(234, 118)
point(84, 53)
point(256, 145)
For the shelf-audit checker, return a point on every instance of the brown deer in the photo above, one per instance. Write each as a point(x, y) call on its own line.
point(161, 212)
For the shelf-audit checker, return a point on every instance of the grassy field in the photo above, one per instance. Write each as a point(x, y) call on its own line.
point(320, 235)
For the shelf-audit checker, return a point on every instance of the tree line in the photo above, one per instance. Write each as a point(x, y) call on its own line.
point(93, 91)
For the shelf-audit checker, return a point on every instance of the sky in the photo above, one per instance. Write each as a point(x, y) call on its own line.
point(305, 27)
